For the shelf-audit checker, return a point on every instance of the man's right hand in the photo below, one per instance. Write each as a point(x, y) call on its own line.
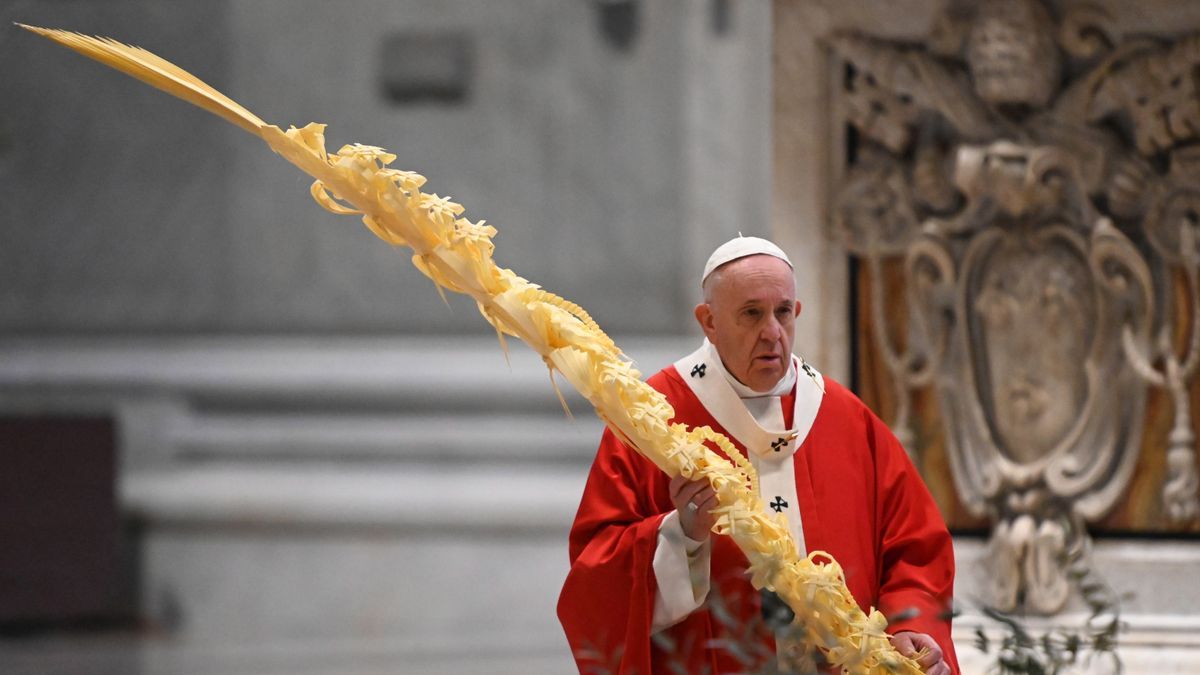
point(693, 500)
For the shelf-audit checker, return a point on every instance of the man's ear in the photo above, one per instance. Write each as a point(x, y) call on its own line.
point(704, 317)
point(797, 314)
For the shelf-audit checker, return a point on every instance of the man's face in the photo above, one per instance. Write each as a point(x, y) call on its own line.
point(749, 314)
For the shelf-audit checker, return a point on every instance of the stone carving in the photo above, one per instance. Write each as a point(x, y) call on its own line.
point(1011, 54)
point(1037, 175)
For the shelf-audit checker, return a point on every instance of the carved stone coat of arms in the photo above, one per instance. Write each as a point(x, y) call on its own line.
point(1038, 173)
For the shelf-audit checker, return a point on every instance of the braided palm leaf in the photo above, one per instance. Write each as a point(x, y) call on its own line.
point(456, 254)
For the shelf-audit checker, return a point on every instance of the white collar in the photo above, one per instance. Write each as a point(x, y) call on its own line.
point(782, 388)
point(718, 397)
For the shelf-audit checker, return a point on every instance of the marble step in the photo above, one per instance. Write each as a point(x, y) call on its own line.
point(297, 373)
point(417, 497)
point(538, 654)
point(467, 437)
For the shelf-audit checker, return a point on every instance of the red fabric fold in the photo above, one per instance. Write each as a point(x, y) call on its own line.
point(861, 501)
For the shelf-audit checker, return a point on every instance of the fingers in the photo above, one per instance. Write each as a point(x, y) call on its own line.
point(924, 648)
point(939, 669)
point(931, 658)
point(676, 483)
point(705, 500)
point(697, 524)
point(693, 500)
point(933, 653)
point(684, 491)
point(903, 643)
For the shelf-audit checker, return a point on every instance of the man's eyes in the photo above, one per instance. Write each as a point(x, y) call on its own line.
point(755, 313)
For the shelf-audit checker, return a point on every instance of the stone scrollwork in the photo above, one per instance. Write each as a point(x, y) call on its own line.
point(878, 218)
point(1039, 176)
point(1171, 224)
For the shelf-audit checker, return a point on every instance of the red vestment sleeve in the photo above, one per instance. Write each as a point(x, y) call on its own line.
point(915, 548)
point(607, 601)
point(863, 502)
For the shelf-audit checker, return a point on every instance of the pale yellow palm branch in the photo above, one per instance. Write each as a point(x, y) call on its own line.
point(456, 254)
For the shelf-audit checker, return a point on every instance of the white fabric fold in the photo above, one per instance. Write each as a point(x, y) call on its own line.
point(755, 419)
point(705, 375)
point(681, 566)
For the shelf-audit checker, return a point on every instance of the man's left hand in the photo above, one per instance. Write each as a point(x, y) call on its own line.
point(910, 644)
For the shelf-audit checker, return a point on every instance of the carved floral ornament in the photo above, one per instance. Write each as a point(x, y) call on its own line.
point(1039, 175)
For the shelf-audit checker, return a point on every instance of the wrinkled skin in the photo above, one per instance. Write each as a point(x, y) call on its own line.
point(749, 313)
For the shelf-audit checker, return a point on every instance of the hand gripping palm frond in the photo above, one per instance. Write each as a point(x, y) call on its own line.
point(457, 254)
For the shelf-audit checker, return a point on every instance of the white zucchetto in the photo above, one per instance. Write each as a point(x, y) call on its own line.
point(740, 247)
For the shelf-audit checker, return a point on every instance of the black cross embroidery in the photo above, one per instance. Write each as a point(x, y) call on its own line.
point(808, 369)
point(779, 505)
point(698, 369)
point(778, 444)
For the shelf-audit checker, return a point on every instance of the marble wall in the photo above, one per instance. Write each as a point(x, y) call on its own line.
point(285, 391)
point(610, 171)
point(115, 212)
point(328, 469)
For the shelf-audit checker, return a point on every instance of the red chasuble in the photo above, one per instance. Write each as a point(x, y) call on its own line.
point(861, 500)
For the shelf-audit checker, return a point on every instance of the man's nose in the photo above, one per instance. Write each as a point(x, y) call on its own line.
point(773, 330)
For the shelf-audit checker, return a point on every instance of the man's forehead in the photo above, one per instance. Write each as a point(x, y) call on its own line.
point(752, 273)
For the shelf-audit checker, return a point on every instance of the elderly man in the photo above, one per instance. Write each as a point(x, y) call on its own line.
point(652, 591)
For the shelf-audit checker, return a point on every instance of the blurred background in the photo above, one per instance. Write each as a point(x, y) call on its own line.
point(241, 435)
